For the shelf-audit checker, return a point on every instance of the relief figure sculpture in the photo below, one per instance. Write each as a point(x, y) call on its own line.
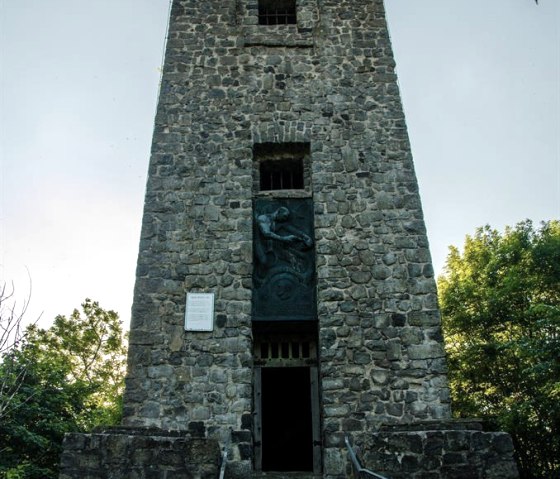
point(284, 268)
point(269, 228)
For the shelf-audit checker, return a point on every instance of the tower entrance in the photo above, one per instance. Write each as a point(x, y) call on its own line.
point(286, 419)
point(286, 398)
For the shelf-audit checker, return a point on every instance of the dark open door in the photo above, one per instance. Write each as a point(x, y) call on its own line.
point(286, 418)
point(315, 419)
point(286, 426)
point(257, 418)
point(287, 439)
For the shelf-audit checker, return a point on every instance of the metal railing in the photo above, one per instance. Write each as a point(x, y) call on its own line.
point(359, 471)
point(224, 460)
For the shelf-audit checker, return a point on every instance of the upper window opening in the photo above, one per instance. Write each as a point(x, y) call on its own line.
point(281, 166)
point(277, 12)
point(284, 174)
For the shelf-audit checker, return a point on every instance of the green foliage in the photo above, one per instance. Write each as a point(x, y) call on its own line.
point(72, 381)
point(500, 304)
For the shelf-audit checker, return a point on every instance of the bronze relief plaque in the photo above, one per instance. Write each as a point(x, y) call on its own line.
point(284, 260)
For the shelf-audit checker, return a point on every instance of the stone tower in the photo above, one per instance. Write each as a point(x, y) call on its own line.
point(285, 295)
point(312, 95)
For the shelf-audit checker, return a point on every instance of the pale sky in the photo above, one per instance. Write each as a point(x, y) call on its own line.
point(480, 81)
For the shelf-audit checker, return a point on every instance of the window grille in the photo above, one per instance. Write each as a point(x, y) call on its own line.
point(281, 166)
point(285, 350)
point(277, 12)
point(283, 174)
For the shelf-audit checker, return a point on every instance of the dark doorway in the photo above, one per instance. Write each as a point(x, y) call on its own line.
point(287, 431)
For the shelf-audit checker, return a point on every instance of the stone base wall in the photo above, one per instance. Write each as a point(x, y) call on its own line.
point(440, 450)
point(423, 450)
point(121, 453)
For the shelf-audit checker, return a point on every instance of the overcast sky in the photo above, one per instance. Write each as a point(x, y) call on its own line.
point(480, 81)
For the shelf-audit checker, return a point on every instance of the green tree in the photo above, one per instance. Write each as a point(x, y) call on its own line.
point(500, 304)
point(11, 335)
point(72, 381)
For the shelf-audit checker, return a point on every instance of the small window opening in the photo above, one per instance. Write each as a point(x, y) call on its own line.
point(277, 12)
point(283, 174)
point(281, 166)
point(295, 350)
point(264, 350)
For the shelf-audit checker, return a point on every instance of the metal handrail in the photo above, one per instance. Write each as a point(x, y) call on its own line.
point(224, 461)
point(356, 466)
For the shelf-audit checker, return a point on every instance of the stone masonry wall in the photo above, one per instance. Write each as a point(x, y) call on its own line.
point(440, 450)
point(228, 84)
point(138, 454)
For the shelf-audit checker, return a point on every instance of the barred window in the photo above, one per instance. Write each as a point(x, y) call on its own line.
point(277, 12)
point(284, 174)
point(281, 166)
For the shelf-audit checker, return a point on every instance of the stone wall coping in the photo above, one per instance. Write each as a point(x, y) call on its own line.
point(446, 425)
point(142, 431)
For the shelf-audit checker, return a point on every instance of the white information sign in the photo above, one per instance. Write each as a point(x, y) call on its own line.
point(199, 313)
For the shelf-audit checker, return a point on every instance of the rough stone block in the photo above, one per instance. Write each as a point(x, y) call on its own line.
point(446, 449)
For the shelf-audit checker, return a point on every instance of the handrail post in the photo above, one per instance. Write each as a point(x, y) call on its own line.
point(358, 470)
point(224, 458)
